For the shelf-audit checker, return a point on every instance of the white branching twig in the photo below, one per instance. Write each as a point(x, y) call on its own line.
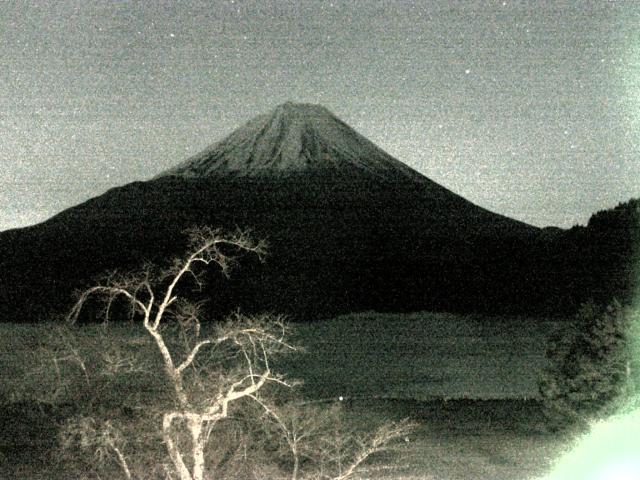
point(155, 297)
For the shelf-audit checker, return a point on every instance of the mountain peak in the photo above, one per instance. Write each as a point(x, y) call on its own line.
point(294, 108)
point(292, 138)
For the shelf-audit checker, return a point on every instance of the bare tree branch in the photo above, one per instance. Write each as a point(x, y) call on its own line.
point(377, 442)
point(203, 391)
point(154, 294)
point(192, 355)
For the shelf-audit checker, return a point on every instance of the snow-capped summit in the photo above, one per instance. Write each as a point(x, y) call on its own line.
point(293, 137)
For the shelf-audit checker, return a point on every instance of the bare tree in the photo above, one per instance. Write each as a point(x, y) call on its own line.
point(254, 339)
point(209, 374)
point(104, 440)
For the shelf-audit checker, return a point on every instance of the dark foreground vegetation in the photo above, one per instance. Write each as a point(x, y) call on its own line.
point(456, 439)
point(385, 368)
point(453, 439)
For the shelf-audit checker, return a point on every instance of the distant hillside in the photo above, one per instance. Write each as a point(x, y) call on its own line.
point(601, 260)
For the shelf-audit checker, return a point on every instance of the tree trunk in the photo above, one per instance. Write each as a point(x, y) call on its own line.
point(296, 464)
point(174, 453)
point(195, 427)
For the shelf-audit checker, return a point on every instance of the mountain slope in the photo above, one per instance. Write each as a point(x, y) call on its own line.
point(309, 144)
point(350, 228)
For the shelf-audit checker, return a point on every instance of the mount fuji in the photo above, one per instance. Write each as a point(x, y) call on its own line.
point(350, 228)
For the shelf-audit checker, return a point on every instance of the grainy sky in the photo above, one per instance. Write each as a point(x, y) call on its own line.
point(530, 109)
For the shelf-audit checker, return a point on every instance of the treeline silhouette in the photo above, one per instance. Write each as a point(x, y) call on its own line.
point(599, 261)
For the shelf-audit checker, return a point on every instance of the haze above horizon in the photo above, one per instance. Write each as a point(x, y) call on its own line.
point(528, 109)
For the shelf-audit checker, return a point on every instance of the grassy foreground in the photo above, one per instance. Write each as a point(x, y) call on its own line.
point(469, 381)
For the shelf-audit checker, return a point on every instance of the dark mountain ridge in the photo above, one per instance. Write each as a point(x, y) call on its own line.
point(350, 228)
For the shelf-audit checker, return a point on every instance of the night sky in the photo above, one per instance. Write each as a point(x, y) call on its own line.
point(530, 109)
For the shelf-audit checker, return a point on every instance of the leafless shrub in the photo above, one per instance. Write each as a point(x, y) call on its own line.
point(102, 440)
